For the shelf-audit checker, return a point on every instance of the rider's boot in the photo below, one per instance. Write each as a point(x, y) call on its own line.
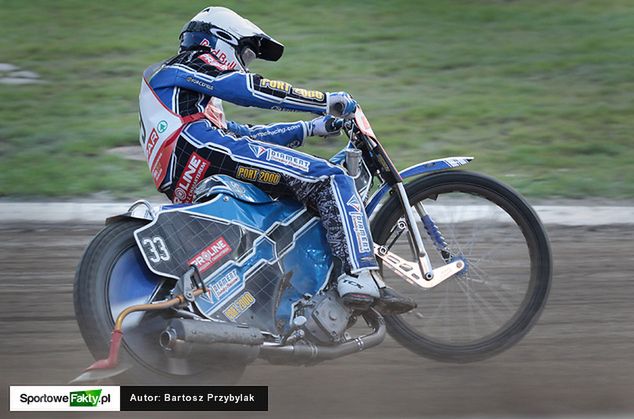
point(361, 292)
point(358, 292)
point(391, 302)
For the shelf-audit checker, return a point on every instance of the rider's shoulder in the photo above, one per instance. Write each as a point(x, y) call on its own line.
point(182, 58)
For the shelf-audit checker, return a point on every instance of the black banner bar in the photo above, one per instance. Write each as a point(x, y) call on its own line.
point(190, 398)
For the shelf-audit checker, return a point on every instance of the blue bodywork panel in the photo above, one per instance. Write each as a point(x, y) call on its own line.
point(257, 256)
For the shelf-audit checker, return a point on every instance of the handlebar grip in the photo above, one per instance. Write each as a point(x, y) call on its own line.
point(337, 109)
point(334, 124)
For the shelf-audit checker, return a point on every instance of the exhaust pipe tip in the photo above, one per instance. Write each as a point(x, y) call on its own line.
point(168, 338)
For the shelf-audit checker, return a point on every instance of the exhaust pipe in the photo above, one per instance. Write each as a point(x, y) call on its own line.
point(203, 339)
point(307, 353)
point(234, 343)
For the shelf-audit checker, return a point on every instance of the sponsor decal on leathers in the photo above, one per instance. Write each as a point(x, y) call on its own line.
point(162, 126)
point(276, 85)
point(200, 83)
point(258, 175)
point(279, 157)
point(361, 235)
point(309, 94)
point(211, 60)
point(194, 170)
point(151, 142)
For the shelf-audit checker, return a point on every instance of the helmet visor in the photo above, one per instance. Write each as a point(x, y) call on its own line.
point(247, 55)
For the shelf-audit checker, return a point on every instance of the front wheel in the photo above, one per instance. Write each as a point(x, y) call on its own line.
point(497, 298)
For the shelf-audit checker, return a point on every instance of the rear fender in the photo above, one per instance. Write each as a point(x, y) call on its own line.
point(412, 171)
point(132, 214)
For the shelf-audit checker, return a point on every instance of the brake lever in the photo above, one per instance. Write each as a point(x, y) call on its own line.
point(348, 127)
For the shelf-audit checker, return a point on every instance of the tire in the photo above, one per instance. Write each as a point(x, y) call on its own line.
point(94, 284)
point(483, 311)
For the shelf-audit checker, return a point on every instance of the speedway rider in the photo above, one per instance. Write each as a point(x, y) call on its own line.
point(183, 131)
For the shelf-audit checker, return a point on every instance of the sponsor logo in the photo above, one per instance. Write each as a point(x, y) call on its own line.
point(204, 42)
point(360, 233)
point(354, 203)
point(200, 83)
point(225, 285)
point(223, 59)
point(279, 108)
point(280, 157)
point(211, 254)
point(151, 142)
point(276, 85)
point(239, 306)
point(194, 170)
point(162, 126)
point(258, 175)
point(352, 283)
point(456, 162)
point(258, 150)
point(276, 131)
point(309, 94)
point(358, 224)
point(157, 170)
point(219, 64)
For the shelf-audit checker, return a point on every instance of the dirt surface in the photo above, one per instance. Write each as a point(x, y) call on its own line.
point(579, 359)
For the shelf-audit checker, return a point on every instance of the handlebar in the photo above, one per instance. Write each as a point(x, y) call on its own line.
point(334, 124)
point(337, 110)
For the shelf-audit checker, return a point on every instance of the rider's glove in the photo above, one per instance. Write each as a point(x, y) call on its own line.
point(341, 104)
point(325, 126)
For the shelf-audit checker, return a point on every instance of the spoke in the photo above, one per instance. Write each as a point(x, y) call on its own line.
point(485, 303)
point(453, 238)
point(472, 325)
point(479, 307)
point(487, 280)
point(433, 317)
point(501, 262)
point(475, 233)
point(498, 245)
point(497, 294)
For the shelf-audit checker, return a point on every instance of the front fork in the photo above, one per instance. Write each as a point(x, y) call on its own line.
point(421, 272)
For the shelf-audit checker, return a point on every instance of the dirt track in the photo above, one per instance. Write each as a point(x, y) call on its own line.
point(579, 359)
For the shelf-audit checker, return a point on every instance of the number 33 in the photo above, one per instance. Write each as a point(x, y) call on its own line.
point(156, 246)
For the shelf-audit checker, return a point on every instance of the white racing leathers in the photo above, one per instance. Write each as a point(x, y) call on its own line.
point(182, 149)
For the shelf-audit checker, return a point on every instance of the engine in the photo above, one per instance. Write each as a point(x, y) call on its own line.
point(326, 317)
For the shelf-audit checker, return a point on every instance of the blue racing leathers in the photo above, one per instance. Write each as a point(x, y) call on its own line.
point(186, 138)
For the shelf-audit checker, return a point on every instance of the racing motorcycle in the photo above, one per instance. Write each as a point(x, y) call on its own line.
point(193, 293)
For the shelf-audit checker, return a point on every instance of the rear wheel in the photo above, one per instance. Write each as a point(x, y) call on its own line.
point(494, 302)
point(111, 276)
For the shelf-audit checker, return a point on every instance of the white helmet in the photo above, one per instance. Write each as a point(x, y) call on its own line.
point(235, 40)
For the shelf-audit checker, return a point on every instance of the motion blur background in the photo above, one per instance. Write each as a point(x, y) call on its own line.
point(540, 92)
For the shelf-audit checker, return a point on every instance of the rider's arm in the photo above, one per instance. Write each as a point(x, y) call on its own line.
point(203, 73)
point(248, 89)
point(289, 134)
